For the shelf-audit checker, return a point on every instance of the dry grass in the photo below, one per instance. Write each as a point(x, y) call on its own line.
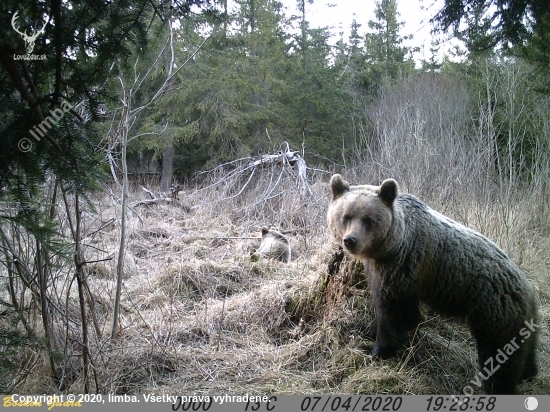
point(198, 316)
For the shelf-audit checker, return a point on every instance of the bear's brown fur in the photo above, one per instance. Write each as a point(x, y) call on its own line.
point(274, 245)
point(416, 254)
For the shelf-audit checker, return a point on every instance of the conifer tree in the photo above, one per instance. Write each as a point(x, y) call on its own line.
point(53, 87)
point(521, 27)
point(383, 43)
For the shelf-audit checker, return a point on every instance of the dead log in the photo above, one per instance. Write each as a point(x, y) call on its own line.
point(345, 278)
point(156, 200)
point(339, 300)
point(263, 173)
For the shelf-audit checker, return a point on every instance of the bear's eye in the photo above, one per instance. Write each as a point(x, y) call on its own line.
point(346, 219)
point(368, 222)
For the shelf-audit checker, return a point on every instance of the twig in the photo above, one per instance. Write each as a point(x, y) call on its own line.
point(234, 237)
point(149, 193)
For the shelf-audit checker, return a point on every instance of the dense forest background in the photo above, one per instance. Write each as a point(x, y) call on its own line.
point(206, 82)
point(161, 93)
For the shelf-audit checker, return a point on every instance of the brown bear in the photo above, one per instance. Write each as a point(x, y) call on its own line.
point(274, 245)
point(414, 254)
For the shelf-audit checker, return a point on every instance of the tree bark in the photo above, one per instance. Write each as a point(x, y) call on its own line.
point(167, 166)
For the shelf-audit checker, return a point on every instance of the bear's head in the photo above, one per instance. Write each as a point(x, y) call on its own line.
point(360, 217)
point(274, 245)
point(274, 233)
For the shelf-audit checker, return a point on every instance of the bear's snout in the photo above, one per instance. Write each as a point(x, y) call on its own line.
point(350, 242)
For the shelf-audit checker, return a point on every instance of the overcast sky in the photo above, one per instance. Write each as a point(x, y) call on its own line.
point(338, 14)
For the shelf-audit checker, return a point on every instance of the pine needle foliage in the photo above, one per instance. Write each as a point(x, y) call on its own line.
point(55, 59)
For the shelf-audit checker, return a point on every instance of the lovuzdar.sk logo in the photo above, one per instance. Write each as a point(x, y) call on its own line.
point(29, 39)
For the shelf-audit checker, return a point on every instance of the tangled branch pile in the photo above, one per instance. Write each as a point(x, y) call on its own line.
point(259, 182)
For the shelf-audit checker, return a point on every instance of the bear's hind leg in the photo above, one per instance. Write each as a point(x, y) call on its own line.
point(530, 369)
point(503, 382)
point(499, 378)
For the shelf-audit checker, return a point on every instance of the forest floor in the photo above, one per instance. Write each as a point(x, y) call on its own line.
point(199, 317)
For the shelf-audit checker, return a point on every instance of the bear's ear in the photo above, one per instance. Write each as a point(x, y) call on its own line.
point(338, 186)
point(388, 191)
point(265, 231)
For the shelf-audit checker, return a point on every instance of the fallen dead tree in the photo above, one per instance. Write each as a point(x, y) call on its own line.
point(153, 200)
point(265, 174)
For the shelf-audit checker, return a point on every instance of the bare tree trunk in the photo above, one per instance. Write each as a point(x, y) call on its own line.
point(122, 244)
point(167, 165)
point(45, 310)
point(127, 118)
point(80, 279)
point(83, 288)
point(168, 153)
point(225, 18)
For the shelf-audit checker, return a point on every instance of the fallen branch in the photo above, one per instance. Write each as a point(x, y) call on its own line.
point(237, 237)
point(148, 192)
point(263, 173)
point(156, 200)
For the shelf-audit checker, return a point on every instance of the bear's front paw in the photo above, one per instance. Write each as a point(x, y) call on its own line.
point(371, 333)
point(383, 352)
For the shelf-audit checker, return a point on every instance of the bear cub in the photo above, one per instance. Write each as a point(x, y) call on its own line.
point(415, 254)
point(274, 245)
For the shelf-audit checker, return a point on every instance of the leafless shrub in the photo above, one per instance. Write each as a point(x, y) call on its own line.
point(269, 190)
point(440, 143)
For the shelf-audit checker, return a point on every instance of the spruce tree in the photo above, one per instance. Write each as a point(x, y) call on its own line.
point(52, 96)
point(385, 53)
